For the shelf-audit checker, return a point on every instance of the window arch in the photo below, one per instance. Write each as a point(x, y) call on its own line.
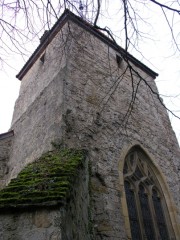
point(147, 210)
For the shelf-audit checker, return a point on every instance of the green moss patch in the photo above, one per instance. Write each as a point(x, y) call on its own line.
point(50, 178)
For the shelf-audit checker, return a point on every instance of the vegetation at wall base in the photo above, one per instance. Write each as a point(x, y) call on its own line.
point(46, 181)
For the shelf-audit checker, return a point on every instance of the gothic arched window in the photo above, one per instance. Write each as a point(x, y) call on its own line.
point(147, 210)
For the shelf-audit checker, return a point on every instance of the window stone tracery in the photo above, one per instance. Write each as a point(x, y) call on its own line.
point(147, 210)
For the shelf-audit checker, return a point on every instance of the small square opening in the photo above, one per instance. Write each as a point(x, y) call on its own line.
point(119, 60)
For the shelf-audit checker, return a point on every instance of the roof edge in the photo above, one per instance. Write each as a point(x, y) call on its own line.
point(6, 135)
point(44, 43)
point(68, 15)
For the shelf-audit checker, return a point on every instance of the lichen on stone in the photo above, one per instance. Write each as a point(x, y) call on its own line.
point(48, 179)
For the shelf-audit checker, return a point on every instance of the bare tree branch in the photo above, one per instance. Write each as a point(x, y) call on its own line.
point(19, 32)
point(98, 12)
point(165, 6)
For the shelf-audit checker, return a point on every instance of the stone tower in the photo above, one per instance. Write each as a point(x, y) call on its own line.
point(80, 90)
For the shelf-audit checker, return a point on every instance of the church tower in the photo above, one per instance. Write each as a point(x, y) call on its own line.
point(81, 91)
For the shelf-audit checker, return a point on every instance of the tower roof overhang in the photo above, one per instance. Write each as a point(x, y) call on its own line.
point(66, 16)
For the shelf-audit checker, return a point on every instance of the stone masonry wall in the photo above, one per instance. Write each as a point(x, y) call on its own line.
point(38, 126)
point(67, 222)
point(34, 224)
point(6, 140)
point(76, 222)
point(98, 98)
point(37, 119)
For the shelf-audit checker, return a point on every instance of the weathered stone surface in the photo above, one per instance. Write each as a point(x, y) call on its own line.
point(32, 225)
point(40, 125)
point(5, 149)
point(42, 220)
point(76, 223)
point(98, 101)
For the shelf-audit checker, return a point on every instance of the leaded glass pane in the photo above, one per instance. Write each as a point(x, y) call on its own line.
point(160, 216)
point(146, 214)
point(132, 210)
point(131, 159)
